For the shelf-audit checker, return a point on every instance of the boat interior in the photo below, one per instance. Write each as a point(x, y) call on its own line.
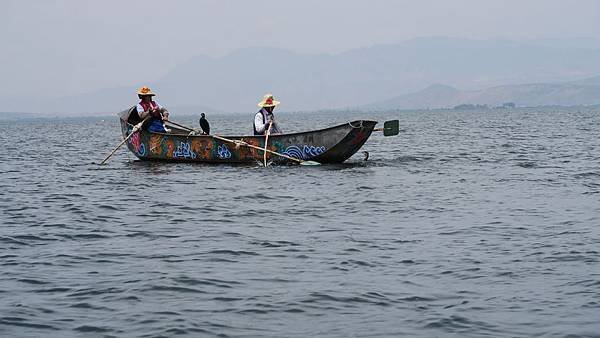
point(133, 118)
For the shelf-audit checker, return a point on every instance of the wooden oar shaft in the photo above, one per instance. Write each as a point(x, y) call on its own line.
point(180, 125)
point(115, 150)
point(266, 143)
point(257, 148)
point(135, 129)
point(244, 144)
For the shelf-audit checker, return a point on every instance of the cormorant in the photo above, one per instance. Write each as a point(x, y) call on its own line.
point(204, 124)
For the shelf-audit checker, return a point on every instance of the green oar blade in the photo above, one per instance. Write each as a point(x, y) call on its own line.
point(391, 128)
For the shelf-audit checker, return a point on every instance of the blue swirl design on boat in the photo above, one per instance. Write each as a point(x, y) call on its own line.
point(141, 150)
point(303, 152)
point(184, 150)
point(294, 151)
point(223, 153)
point(312, 151)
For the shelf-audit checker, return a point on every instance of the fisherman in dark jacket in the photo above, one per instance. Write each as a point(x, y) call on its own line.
point(265, 118)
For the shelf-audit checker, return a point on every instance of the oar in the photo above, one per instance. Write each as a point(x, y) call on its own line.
point(242, 143)
point(133, 131)
point(180, 125)
point(390, 128)
point(266, 142)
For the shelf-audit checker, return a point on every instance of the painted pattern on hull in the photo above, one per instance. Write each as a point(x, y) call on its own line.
point(223, 152)
point(137, 145)
point(304, 152)
point(184, 151)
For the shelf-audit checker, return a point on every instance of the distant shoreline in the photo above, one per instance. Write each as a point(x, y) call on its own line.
point(12, 116)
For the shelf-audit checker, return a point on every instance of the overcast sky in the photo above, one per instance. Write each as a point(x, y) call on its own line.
point(66, 47)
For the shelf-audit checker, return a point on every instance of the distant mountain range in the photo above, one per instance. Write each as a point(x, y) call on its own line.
point(584, 92)
point(359, 77)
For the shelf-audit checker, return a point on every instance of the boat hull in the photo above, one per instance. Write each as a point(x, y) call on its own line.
point(330, 145)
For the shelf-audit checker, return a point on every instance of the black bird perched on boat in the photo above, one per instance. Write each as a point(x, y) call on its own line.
point(204, 124)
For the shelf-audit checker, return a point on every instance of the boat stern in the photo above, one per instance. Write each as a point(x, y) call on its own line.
point(359, 133)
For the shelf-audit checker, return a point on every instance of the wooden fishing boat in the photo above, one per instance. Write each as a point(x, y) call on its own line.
point(330, 145)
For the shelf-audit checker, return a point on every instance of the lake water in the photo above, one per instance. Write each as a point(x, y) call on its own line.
point(467, 224)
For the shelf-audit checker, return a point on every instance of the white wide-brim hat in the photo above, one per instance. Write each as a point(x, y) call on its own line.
point(268, 101)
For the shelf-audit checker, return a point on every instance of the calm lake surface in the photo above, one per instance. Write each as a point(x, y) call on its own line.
point(467, 224)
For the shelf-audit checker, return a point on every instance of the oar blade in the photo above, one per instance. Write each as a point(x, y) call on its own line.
point(391, 128)
point(309, 163)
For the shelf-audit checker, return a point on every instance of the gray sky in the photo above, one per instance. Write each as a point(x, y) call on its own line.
point(59, 48)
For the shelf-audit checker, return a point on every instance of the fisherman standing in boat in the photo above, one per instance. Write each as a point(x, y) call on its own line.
point(265, 118)
point(149, 107)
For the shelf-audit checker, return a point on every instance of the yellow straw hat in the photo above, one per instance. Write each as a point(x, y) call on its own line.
point(268, 101)
point(145, 91)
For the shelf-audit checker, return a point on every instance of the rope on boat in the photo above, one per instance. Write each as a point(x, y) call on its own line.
point(360, 124)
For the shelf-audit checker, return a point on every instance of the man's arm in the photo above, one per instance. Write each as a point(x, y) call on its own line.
point(164, 113)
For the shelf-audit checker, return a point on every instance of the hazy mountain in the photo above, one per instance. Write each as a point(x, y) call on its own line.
point(592, 81)
point(237, 81)
point(435, 96)
point(584, 43)
point(585, 92)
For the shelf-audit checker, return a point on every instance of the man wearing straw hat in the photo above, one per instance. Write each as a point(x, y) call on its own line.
point(265, 118)
point(149, 107)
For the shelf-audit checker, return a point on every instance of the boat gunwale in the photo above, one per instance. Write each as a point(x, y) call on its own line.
point(259, 136)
